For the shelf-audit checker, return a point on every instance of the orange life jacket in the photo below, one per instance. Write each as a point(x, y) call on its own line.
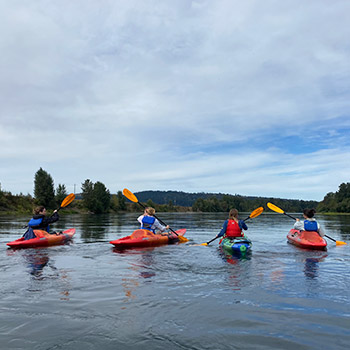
point(233, 229)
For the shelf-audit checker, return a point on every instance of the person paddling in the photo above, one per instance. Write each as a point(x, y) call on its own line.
point(40, 222)
point(233, 227)
point(310, 223)
point(149, 222)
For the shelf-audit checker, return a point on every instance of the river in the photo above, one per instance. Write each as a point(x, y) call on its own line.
point(88, 295)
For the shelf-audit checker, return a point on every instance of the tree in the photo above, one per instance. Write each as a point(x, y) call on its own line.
point(96, 197)
point(44, 192)
point(102, 198)
point(118, 202)
point(87, 188)
point(61, 193)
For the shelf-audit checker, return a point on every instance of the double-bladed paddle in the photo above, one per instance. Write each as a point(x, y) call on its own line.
point(252, 215)
point(129, 195)
point(281, 211)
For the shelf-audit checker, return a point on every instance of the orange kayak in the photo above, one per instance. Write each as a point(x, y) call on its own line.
point(43, 239)
point(145, 238)
point(307, 239)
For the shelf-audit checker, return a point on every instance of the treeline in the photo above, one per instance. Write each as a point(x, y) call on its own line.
point(241, 203)
point(338, 202)
point(174, 197)
point(219, 202)
point(96, 198)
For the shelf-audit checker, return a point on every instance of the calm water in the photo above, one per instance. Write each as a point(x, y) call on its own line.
point(88, 295)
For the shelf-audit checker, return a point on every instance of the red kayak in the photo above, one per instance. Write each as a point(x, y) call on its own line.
point(307, 239)
point(43, 239)
point(145, 238)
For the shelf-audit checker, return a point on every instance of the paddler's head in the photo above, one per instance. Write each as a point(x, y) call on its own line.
point(150, 211)
point(233, 214)
point(40, 210)
point(309, 213)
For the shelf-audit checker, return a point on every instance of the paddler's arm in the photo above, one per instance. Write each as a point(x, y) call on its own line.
point(223, 229)
point(299, 225)
point(320, 230)
point(159, 226)
point(242, 225)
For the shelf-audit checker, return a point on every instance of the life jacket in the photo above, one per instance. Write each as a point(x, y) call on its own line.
point(147, 222)
point(233, 229)
point(310, 225)
point(36, 223)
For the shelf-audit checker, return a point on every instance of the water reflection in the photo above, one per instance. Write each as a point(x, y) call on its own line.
point(36, 261)
point(94, 227)
point(233, 258)
point(39, 265)
point(141, 267)
point(311, 266)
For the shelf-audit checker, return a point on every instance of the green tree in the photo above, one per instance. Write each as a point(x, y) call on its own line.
point(44, 192)
point(96, 197)
point(118, 202)
point(102, 198)
point(61, 193)
point(87, 188)
point(150, 203)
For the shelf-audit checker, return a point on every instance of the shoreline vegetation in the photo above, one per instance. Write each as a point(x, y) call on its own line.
point(95, 198)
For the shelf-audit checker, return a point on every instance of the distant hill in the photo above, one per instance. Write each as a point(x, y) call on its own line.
point(238, 201)
point(177, 197)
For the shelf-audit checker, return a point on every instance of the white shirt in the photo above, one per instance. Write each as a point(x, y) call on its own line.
point(299, 225)
point(156, 224)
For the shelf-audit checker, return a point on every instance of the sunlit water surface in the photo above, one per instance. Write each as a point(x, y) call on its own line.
point(88, 295)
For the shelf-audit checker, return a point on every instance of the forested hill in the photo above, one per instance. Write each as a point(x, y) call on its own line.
point(176, 197)
point(220, 201)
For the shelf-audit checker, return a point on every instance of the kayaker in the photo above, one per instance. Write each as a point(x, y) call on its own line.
point(233, 226)
point(149, 222)
point(40, 222)
point(310, 223)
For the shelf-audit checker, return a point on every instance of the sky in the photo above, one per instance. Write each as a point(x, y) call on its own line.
point(242, 97)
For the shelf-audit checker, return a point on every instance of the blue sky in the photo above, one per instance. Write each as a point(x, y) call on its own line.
point(247, 97)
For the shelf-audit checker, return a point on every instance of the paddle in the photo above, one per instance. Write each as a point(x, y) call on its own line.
point(252, 215)
point(129, 195)
point(281, 211)
point(68, 200)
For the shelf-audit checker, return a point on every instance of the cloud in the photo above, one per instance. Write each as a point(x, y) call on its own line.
point(184, 96)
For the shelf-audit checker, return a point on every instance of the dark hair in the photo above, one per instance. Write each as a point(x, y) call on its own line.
point(38, 209)
point(309, 212)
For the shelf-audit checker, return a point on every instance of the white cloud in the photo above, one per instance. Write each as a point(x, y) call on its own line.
point(156, 94)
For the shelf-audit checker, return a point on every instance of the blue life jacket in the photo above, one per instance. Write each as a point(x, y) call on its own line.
point(36, 224)
point(310, 225)
point(147, 222)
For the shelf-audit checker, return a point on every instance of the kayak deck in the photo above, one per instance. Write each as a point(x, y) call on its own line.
point(145, 238)
point(43, 239)
point(239, 245)
point(307, 239)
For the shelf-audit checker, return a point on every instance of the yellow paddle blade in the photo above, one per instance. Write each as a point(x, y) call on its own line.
point(203, 244)
point(256, 212)
point(68, 200)
point(183, 239)
point(275, 208)
point(129, 195)
point(340, 243)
